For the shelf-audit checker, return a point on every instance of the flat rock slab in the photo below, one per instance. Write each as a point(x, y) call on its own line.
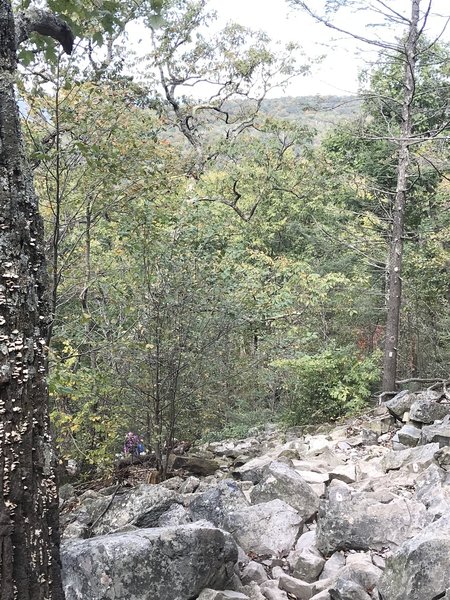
point(209, 594)
point(345, 473)
point(253, 469)
point(366, 520)
point(164, 563)
point(412, 459)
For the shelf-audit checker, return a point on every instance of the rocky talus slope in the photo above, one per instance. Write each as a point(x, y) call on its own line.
point(359, 512)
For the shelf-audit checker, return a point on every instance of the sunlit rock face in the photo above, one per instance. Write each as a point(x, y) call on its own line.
point(170, 563)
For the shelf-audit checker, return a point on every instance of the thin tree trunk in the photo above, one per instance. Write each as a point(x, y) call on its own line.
point(29, 530)
point(394, 267)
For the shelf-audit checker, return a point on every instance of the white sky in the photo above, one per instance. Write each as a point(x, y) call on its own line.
point(338, 73)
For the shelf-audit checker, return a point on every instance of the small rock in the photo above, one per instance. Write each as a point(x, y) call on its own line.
point(409, 435)
point(300, 589)
point(442, 457)
point(306, 564)
point(333, 565)
point(253, 572)
point(345, 473)
point(369, 437)
point(271, 591)
point(208, 594)
point(189, 485)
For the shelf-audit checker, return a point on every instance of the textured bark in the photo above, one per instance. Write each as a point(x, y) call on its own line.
point(29, 531)
point(396, 244)
point(45, 23)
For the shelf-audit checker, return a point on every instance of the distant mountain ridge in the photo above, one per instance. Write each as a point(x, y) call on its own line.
point(320, 112)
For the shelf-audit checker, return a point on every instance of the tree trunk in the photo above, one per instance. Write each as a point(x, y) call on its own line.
point(394, 267)
point(29, 531)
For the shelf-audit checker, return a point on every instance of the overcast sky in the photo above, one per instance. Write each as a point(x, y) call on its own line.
point(338, 73)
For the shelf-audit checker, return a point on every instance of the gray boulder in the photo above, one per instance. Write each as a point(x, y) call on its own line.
point(176, 515)
point(253, 469)
point(189, 485)
point(253, 572)
point(214, 504)
point(164, 563)
point(209, 594)
point(438, 433)
point(427, 411)
point(346, 589)
point(333, 566)
point(283, 482)
point(345, 473)
point(143, 506)
point(305, 561)
point(400, 404)
point(412, 459)
point(366, 520)
point(420, 569)
point(271, 591)
point(195, 464)
point(442, 457)
point(265, 529)
point(306, 564)
point(409, 435)
point(433, 490)
point(298, 588)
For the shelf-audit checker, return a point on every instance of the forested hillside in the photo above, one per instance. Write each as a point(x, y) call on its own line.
point(216, 263)
point(319, 112)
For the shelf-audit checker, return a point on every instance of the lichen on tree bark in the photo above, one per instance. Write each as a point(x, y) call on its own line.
point(29, 531)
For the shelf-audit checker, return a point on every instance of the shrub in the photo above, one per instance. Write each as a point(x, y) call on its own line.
point(323, 387)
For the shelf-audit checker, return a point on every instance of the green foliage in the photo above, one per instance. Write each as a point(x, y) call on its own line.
point(216, 264)
point(81, 401)
point(326, 386)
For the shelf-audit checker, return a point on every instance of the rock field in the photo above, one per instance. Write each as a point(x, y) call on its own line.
point(356, 512)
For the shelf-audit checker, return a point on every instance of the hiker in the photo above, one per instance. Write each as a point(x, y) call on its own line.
point(133, 444)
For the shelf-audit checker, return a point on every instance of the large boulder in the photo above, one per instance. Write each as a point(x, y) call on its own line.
point(403, 401)
point(366, 520)
point(411, 459)
point(99, 514)
point(265, 529)
point(194, 463)
point(409, 435)
point(428, 411)
point(438, 433)
point(433, 490)
point(143, 506)
point(357, 580)
point(420, 569)
point(400, 404)
point(165, 563)
point(214, 504)
point(283, 482)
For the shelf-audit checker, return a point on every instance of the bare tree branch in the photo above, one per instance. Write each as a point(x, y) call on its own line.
point(353, 34)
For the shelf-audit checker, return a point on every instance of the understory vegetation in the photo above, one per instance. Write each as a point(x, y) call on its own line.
point(219, 263)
